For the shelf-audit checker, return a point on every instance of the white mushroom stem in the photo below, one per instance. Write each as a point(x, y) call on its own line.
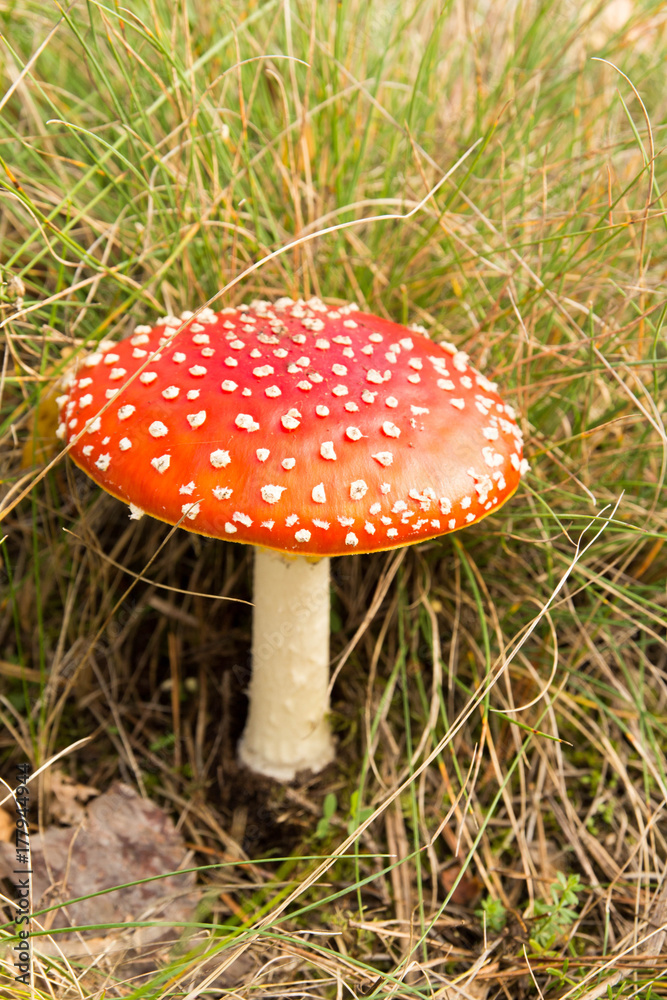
point(287, 728)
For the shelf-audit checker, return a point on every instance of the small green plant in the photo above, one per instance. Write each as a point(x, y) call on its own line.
point(492, 914)
point(329, 807)
point(554, 916)
point(356, 815)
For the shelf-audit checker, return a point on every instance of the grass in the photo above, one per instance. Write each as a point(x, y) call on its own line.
point(495, 824)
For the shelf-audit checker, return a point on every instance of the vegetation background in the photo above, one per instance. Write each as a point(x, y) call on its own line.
point(495, 824)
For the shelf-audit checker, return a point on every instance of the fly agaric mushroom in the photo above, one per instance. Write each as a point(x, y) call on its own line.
point(308, 432)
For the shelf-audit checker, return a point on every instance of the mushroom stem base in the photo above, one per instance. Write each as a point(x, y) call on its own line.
point(287, 728)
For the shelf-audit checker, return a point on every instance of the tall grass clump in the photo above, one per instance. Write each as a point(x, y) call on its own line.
point(495, 823)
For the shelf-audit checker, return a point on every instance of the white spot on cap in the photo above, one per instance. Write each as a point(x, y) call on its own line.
point(124, 444)
point(385, 488)
point(263, 371)
point(368, 396)
point(358, 489)
point(322, 411)
point(321, 524)
point(171, 392)
point(351, 538)
point(289, 422)
point(85, 400)
point(146, 377)
point(377, 338)
point(525, 467)
point(178, 357)
point(392, 532)
point(292, 519)
point(419, 410)
point(92, 360)
point(136, 513)
point(219, 458)
point(369, 528)
point(230, 528)
point(241, 518)
point(445, 505)
point(94, 425)
point(351, 407)
point(272, 392)
point(353, 433)
point(490, 433)
point(303, 535)
point(87, 449)
point(272, 493)
point(374, 377)
point(304, 385)
point(268, 524)
point(188, 488)
point(391, 430)
point(157, 429)
point(161, 463)
point(103, 462)
point(193, 394)
point(339, 369)
point(460, 360)
point(196, 419)
point(231, 362)
point(346, 521)
point(246, 423)
point(142, 337)
point(262, 454)
point(327, 450)
point(288, 463)
point(340, 390)
point(197, 371)
point(118, 373)
point(375, 508)
point(391, 402)
point(384, 457)
point(465, 502)
point(458, 403)
point(318, 494)
point(414, 379)
point(221, 492)
point(228, 385)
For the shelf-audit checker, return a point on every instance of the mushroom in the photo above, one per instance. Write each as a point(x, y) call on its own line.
point(308, 432)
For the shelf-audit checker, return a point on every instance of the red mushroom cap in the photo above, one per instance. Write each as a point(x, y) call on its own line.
point(295, 426)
